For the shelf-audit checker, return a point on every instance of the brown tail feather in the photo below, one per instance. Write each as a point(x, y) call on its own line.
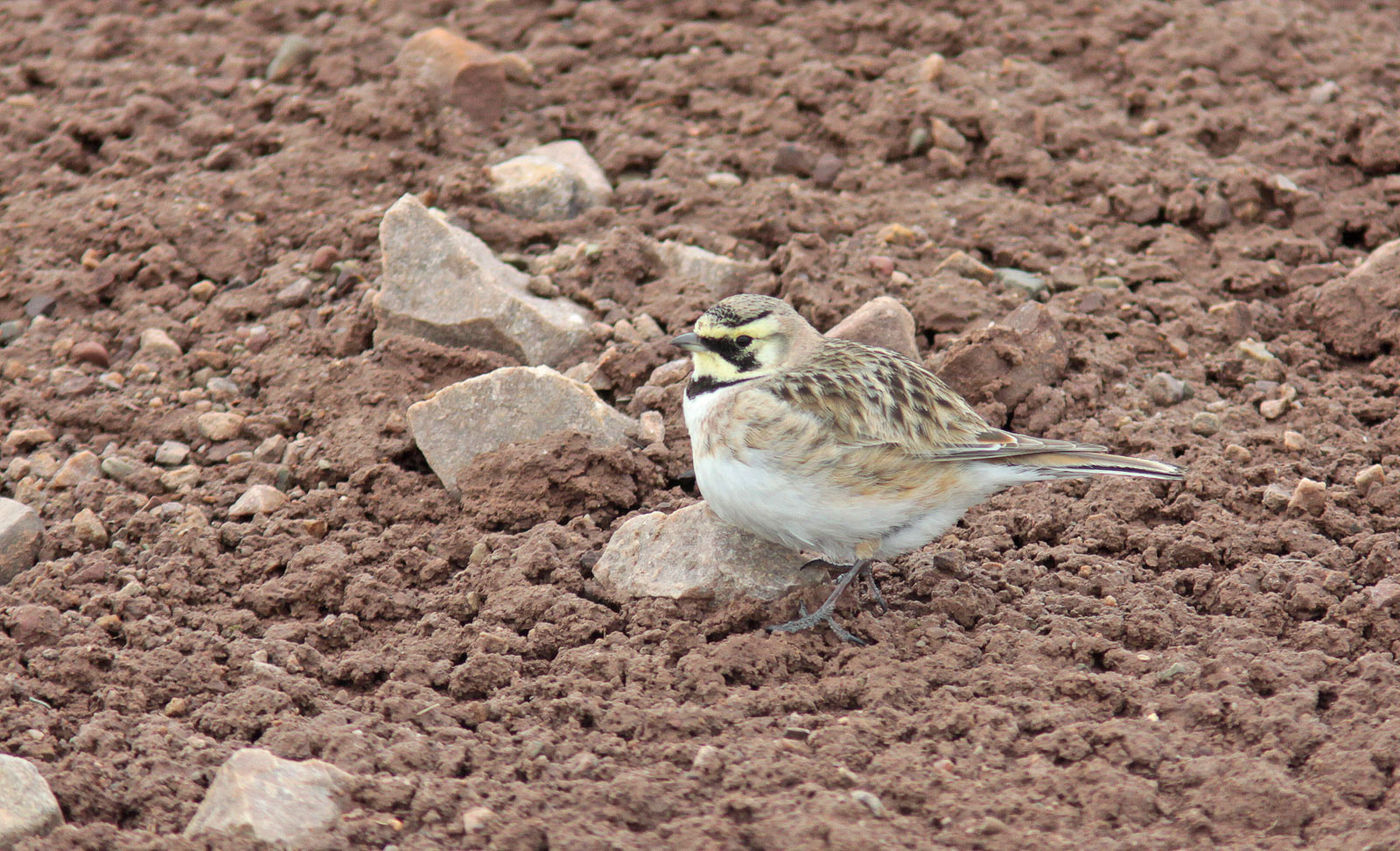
point(1070, 465)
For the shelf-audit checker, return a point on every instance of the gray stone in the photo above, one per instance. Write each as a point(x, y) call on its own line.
point(271, 799)
point(509, 405)
point(11, 330)
point(27, 805)
point(1205, 423)
point(573, 156)
point(21, 532)
point(718, 273)
point(180, 477)
point(119, 467)
point(172, 453)
point(1165, 389)
point(295, 294)
point(443, 284)
point(882, 322)
point(258, 499)
point(538, 188)
point(692, 553)
point(1021, 281)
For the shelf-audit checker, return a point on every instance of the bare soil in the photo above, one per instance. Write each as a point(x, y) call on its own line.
point(1107, 664)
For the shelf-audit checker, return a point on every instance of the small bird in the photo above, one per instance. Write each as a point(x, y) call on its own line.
point(847, 450)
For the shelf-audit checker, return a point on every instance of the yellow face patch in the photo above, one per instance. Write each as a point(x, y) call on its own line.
point(747, 350)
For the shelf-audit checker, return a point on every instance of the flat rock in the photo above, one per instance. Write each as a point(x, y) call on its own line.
point(21, 532)
point(81, 466)
point(692, 553)
point(538, 188)
point(27, 805)
point(1359, 315)
point(571, 154)
point(443, 284)
point(1007, 359)
point(271, 799)
point(258, 499)
point(510, 405)
point(882, 322)
point(719, 274)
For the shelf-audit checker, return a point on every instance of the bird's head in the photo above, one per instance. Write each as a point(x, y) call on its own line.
point(745, 336)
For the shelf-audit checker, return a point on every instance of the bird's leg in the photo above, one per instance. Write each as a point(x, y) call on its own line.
point(875, 589)
point(824, 612)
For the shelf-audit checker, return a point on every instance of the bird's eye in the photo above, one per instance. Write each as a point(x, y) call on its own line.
point(743, 340)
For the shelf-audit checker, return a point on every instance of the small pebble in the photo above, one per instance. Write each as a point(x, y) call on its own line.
point(180, 477)
point(625, 332)
point(294, 52)
point(896, 234)
point(176, 707)
point(89, 529)
point(1107, 282)
point(653, 428)
point(325, 257)
point(542, 286)
point(961, 263)
point(81, 467)
point(647, 327)
point(11, 330)
point(295, 294)
point(90, 351)
point(1372, 476)
point(24, 438)
point(1025, 282)
point(172, 453)
point(827, 169)
point(870, 801)
point(881, 265)
point(724, 180)
point(158, 344)
point(218, 427)
point(1272, 409)
point(1165, 389)
point(708, 760)
point(204, 290)
point(1324, 92)
point(1294, 441)
point(259, 499)
point(271, 449)
point(1276, 496)
point(40, 305)
point(931, 68)
point(1205, 424)
point(475, 819)
point(1236, 454)
point(1254, 350)
point(118, 467)
point(222, 388)
point(1309, 496)
point(43, 465)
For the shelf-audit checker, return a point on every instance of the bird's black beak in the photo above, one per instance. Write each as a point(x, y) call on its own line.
point(690, 342)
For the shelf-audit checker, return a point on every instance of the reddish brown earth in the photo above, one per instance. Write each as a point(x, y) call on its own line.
point(1103, 664)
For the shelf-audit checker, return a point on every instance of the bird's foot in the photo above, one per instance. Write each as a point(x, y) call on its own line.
point(824, 612)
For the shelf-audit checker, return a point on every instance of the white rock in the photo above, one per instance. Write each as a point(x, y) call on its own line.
point(538, 188)
point(443, 284)
point(692, 553)
point(219, 425)
point(510, 405)
point(258, 499)
point(156, 343)
point(27, 805)
point(720, 274)
point(573, 156)
point(21, 531)
point(277, 801)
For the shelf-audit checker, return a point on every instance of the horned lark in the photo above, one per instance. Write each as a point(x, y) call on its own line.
point(844, 449)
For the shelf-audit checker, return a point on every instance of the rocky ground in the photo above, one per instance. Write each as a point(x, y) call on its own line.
point(1178, 217)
